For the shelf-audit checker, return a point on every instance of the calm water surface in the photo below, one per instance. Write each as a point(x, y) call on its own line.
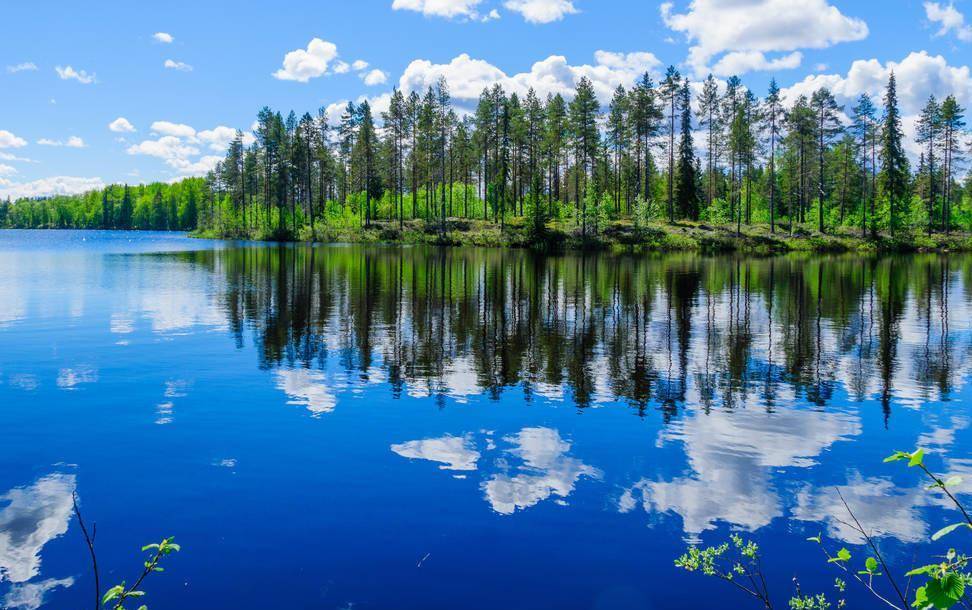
point(341, 427)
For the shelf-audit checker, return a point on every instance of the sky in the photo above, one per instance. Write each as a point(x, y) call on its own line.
point(109, 92)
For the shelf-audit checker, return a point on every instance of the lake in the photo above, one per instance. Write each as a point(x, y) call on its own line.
point(393, 427)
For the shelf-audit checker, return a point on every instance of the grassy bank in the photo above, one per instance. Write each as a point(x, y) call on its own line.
point(621, 235)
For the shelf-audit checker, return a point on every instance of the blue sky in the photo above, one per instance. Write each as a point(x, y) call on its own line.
point(68, 70)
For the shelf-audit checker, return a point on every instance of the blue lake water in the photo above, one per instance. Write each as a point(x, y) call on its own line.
point(382, 427)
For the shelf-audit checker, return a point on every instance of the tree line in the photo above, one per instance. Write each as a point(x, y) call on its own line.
point(158, 206)
point(810, 164)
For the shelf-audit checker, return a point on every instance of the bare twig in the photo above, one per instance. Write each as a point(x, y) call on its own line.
point(877, 553)
point(89, 540)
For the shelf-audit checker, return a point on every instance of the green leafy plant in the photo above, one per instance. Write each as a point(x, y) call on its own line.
point(117, 596)
point(940, 585)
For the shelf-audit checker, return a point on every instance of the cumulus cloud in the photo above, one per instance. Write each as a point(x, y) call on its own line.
point(374, 77)
point(448, 9)
point(307, 388)
point(6, 170)
point(541, 11)
point(179, 146)
point(177, 65)
point(948, 20)
point(301, 65)
point(714, 27)
point(9, 140)
point(121, 125)
point(32, 595)
point(167, 148)
point(452, 452)
point(69, 73)
point(741, 62)
point(359, 65)
point(22, 67)
point(32, 517)
point(218, 138)
point(180, 130)
point(467, 77)
point(163, 37)
point(919, 75)
point(46, 187)
point(71, 142)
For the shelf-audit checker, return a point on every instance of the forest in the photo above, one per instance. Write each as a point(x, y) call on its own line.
point(712, 155)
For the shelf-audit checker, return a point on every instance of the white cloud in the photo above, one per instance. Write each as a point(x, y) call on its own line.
point(547, 470)
point(359, 65)
point(32, 517)
point(453, 452)
point(180, 130)
point(168, 148)
point(341, 67)
point(301, 65)
point(541, 11)
point(177, 65)
point(714, 27)
point(919, 75)
point(22, 67)
point(69, 73)
point(121, 125)
point(449, 9)
point(741, 62)
point(6, 170)
point(9, 140)
point(53, 185)
point(374, 77)
point(163, 37)
point(307, 388)
point(32, 595)
point(5, 156)
point(218, 138)
point(948, 20)
point(467, 77)
point(71, 142)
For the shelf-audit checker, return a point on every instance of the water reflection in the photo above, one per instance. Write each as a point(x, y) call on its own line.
point(31, 517)
point(532, 465)
point(656, 333)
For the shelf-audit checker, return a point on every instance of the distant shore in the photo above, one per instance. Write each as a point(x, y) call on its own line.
point(622, 236)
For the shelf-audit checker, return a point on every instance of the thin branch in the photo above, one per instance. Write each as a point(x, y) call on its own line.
point(877, 553)
point(89, 540)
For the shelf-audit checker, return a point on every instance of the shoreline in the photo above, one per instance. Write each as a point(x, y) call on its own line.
point(615, 236)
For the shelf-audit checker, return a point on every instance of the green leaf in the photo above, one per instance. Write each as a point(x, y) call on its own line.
point(916, 458)
point(929, 569)
point(814, 539)
point(842, 555)
point(897, 456)
point(921, 598)
point(113, 593)
point(136, 593)
point(871, 564)
point(952, 481)
point(945, 592)
point(948, 529)
point(148, 547)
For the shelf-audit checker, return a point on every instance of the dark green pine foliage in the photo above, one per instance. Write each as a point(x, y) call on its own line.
point(894, 162)
point(687, 195)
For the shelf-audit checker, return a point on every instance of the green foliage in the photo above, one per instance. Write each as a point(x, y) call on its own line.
point(117, 596)
point(941, 585)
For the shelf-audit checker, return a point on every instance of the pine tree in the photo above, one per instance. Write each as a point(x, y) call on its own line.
point(894, 162)
point(864, 127)
point(687, 193)
point(827, 122)
point(773, 116)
